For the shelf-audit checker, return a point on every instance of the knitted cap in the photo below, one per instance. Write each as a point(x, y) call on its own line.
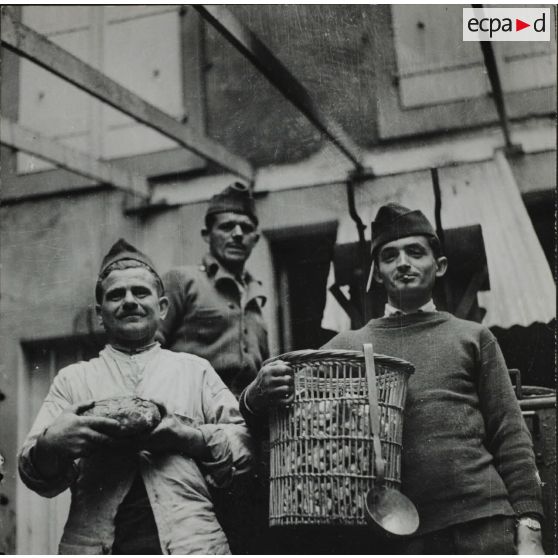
point(237, 198)
point(393, 221)
point(122, 250)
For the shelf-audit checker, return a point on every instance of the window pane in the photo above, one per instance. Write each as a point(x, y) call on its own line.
point(48, 104)
point(140, 47)
point(143, 55)
point(434, 64)
point(53, 19)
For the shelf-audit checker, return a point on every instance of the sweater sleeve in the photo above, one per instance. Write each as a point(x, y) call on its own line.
point(176, 290)
point(507, 436)
point(57, 400)
point(225, 432)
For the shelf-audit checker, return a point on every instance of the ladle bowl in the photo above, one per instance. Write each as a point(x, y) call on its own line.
point(391, 512)
point(386, 508)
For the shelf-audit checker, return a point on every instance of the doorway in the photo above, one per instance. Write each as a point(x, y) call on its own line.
point(40, 521)
point(301, 258)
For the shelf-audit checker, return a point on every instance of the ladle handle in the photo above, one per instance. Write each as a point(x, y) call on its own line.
point(379, 462)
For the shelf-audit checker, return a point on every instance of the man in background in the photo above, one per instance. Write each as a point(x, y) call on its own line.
point(215, 308)
point(215, 312)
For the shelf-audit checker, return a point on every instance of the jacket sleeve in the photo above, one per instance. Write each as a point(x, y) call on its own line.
point(257, 423)
point(56, 401)
point(507, 436)
point(177, 285)
point(225, 432)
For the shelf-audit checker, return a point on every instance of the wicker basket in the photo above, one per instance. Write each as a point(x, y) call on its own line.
point(322, 456)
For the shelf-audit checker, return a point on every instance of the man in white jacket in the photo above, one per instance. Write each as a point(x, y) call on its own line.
point(146, 499)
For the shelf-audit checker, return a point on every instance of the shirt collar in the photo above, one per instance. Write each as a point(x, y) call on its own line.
point(144, 351)
point(392, 311)
point(217, 272)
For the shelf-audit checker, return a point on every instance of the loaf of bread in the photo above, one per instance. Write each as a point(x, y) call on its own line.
point(136, 416)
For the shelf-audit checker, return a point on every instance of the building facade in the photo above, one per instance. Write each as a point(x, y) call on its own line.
point(399, 80)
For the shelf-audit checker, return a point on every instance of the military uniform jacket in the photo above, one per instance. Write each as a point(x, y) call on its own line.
point(211, 315)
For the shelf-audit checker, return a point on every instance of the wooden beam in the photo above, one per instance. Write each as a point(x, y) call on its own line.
point(18, 137)
point(348, 306)
point(470, 294)
point(244, 40)
point(496, 84)
point(33, 46)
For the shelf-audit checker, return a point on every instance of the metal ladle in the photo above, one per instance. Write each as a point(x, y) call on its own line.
point(387, 510)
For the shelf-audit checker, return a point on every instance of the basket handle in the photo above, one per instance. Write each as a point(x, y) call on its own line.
point(379, 461)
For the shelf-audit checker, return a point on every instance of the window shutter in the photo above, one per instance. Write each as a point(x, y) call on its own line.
point(141, 53)
point(137, 46)
point(48, 104)
point(435, 66)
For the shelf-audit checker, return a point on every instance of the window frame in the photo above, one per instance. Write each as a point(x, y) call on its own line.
point(395, 121)
point(29, 504)
point(176, 160)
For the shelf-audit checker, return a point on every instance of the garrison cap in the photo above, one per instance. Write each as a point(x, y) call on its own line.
point(393, 221)
point(237, 198)
point(123, 250)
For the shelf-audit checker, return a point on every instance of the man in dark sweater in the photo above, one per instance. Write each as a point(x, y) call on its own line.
point(468, 463)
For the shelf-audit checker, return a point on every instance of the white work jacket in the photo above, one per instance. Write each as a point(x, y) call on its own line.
point(176, 485)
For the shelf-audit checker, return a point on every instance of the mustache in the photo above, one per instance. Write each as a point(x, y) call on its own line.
point(128, 314)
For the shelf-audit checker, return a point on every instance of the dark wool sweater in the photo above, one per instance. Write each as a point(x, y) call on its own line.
point(467, 453)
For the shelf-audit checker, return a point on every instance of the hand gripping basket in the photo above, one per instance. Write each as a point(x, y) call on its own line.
point(322, 454)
